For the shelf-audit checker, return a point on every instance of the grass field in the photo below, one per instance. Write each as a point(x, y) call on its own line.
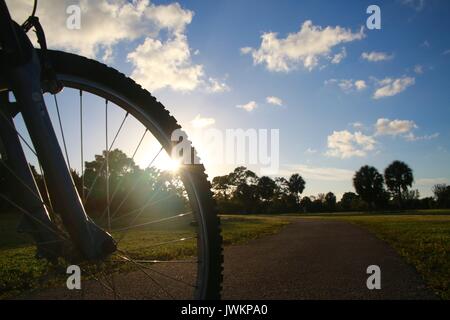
point(422, 238)
point(21, 272)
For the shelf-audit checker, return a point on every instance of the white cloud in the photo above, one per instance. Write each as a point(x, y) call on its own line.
point(404, 128)
point(345, 85)
point(274, 100)
point(310, 151)
point(348, 85)
point(249, 107)
point(385, 126)
point(418, 69)
point(103, 23)
point(201, 122)
point(305, 47)
point(425, 44)
point(318, 173)
point(446, 52)
point(357, 125)
point(389, 87)
point(246, 50)
point(165, 64)
point(376, 56)
point(412, 137)
point(360, 85)
point(162, 58)
point(338, 57)
point(417, 5)
point(217, 86)
point(344, 144)
point(431, 181)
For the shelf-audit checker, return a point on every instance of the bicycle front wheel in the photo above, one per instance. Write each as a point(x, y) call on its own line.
point(164, 220)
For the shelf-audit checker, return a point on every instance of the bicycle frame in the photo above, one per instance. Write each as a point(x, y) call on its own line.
point(23, 75)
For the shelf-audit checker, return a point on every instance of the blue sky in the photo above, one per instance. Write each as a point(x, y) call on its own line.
point(349, 96)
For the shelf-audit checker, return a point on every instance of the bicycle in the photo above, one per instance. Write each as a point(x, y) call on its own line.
point(61, 216)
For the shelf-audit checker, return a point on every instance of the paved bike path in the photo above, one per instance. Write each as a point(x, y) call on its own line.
point(307, 259)
point(318, 259)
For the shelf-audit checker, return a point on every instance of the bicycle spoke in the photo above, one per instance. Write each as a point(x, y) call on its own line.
point(130, 227)
point(139, 144)
point(147, 204)
point(107, 165)
point(113, 284)
point(126, 258)
point(106, 286)
point(26, 212)
point(121, 181)
point(135, 185)
point(21, 181)
point(62, 131)
point(154, 222)
point(83, 196)
point(166, 261)
point(46, 188)
point(19, 134)
point(170, 242)
point(157, 272)
point(103, 163)
point(35, 154)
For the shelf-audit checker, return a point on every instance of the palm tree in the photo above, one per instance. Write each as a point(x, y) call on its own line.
point(368, 183)
point(330, 201)
point(296, 185)
point(398, 177)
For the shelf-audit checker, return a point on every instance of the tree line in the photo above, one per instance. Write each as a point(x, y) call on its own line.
point(242, 191)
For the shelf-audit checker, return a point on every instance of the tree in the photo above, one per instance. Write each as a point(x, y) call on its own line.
point(330, 201)
point(306, 204)
point(442, 195)
point(245, 191)
point(130, 188)
point(242, 175)
point(266, 188)
point(221, 186)
point(398, 176)
point(348, 201)
point(368, 183)
point(282, 200)
point(296, 185)
point(282, 187)
point(247, 197)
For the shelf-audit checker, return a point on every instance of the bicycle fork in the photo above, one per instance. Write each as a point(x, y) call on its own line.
point(91, 240)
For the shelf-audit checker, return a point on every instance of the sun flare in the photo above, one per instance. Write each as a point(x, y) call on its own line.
point(171, 165)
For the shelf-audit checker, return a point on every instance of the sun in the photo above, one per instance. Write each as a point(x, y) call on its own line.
point(171, 165)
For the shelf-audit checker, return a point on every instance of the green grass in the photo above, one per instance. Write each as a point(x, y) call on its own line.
point(428, 212)
point(423, 240)
point(21, 272)
point(240, 229)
